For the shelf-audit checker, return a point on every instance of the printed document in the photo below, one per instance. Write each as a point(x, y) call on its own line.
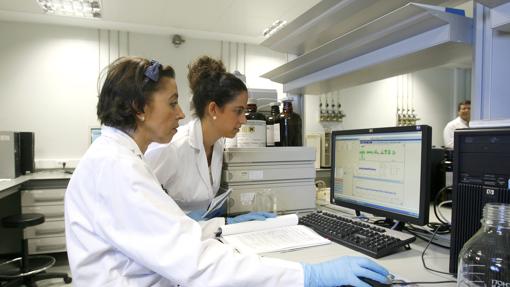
point(274, 234)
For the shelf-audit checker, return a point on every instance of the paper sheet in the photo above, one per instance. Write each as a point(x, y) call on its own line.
point(274, 234)
point(277, 239)
point(251, 226)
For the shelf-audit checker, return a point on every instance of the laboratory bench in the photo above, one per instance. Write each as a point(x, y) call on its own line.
point(39, 192)
point(43, 192)
point(405, 265)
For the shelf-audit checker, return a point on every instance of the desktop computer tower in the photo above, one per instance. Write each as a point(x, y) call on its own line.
point(26, 147)
point(481, 172)
point(9, 155)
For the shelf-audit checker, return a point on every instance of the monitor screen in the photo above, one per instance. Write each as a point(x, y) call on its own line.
point(383, 171)
point(94, 134)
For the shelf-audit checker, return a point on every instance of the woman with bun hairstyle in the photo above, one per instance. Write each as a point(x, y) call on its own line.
point(122, 230)
point(218, 103)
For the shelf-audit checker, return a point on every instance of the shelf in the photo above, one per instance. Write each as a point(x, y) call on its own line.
point(407, 39)
point(500, 17)
point(330, 19)
point(492, 3)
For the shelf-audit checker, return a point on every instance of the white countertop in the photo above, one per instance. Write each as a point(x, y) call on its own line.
point(6, 184)
point(406, 265)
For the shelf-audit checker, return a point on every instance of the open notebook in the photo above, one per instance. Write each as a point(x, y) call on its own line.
point(275, 234)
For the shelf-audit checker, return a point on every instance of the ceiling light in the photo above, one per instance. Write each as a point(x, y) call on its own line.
point(77, 8)
point(277, 25)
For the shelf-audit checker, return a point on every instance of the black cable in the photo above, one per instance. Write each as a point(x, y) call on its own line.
point(431, 282)
point(423, 256)
point(396, 283)
point(436, 199)
point(443, 228)
point(427, 239)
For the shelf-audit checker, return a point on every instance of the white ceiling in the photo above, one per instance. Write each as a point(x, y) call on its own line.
point(230, 20)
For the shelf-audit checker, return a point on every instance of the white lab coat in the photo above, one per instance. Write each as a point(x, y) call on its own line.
point(188, 182)
point(123, 230)
point(450, 128)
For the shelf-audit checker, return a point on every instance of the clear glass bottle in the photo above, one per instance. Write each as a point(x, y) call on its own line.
point(290, 126)
point(485, 258)
point(265, 200)
point(272, 125)
point(253, 132)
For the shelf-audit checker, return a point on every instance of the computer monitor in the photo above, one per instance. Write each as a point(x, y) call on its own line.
point(383, 171)
point(94, 134)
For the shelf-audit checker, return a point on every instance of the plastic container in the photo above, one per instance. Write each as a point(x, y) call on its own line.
point(485, 258)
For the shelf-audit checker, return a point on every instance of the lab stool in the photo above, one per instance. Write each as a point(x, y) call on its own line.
point(25, 270)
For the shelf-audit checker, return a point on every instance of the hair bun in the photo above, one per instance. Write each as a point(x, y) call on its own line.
point(203, 68)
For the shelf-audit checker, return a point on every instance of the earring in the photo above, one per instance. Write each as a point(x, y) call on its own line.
point(214, 117)
point(142, 118)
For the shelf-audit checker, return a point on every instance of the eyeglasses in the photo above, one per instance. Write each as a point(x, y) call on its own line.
point(152, 72)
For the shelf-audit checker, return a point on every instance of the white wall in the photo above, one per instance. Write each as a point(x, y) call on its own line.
point(49, 79)
point(49, 84)
point(375, 104)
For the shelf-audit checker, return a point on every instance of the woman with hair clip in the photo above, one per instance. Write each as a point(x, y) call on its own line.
point(122, 229)
point(219, 101)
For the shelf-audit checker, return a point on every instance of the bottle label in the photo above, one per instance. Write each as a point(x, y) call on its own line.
point(270, 135)
point(276, 132)
point(252, 134)
point(499, 283)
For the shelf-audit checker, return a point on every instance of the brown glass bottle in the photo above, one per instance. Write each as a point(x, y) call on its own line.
point(272, 125)
point(251, 112)
point(290, 126)
point(253, 132)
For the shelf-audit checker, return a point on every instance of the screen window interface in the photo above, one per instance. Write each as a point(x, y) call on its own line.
point(380, 171)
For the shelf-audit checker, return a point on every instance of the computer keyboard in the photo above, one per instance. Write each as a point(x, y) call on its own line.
point(369, 239)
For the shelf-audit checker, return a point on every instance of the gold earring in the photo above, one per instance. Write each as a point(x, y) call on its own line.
point(142, 118)
point(214, 117)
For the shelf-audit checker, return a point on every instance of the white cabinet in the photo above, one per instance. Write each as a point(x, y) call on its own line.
point(48, 237)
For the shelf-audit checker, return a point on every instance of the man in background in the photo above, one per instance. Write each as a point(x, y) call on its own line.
point(461, 122)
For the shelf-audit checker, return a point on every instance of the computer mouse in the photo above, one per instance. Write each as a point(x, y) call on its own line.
point(374, 283)
point(371, 282)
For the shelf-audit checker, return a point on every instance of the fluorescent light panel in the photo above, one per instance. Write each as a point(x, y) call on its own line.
point(76, 8)
point(277, 25)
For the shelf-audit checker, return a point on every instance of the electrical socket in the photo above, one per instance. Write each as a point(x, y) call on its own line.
point(55, 163)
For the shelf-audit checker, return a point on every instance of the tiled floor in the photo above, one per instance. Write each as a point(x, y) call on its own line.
point(60, 266)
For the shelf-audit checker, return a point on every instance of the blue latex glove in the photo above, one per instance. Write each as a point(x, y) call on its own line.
point(344, 271)
point(260, 215)
point(196, 214)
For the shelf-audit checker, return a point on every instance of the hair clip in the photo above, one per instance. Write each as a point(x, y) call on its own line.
point(152, 71)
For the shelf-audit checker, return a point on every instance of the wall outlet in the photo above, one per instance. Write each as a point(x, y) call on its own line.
point(55, 163)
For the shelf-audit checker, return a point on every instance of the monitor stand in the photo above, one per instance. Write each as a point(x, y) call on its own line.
point(392, 224)
point(387, 222)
